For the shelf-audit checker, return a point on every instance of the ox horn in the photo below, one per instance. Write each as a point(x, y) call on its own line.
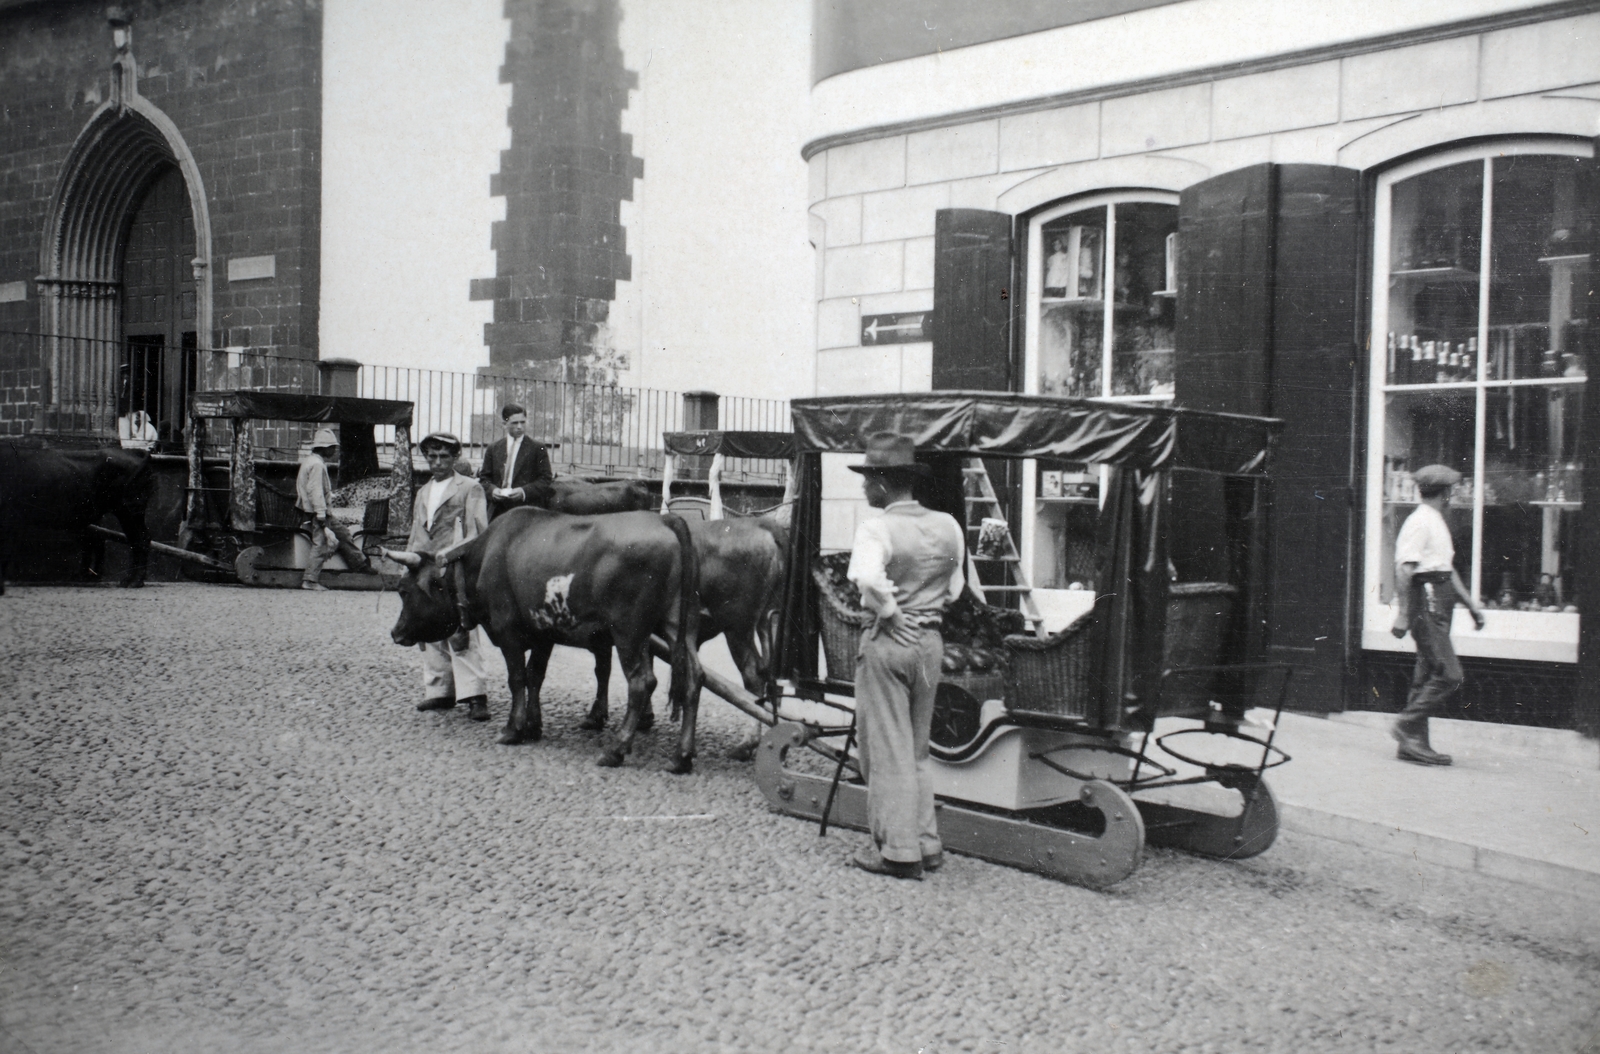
point(411, 560)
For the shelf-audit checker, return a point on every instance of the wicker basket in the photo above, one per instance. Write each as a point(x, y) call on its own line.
point(275, 508)
point(841, 628)
point(1051, 676)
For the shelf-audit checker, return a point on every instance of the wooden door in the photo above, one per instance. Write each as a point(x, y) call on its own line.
point(158, 309)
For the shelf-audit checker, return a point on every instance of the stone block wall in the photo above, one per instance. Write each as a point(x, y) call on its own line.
point(874, 200)
point(242, 84)
point(561, 249)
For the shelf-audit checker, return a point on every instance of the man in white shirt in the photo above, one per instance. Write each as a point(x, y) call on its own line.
point(514, 470)
point(449, 509)
point(908, 565)
point(1426, 588)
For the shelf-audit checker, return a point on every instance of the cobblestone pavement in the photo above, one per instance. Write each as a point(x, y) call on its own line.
point(224, 828)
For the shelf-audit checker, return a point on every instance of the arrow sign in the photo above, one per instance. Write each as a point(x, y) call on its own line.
point(906, 328)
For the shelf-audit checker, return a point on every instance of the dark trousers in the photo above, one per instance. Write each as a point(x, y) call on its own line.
point(1437, 674)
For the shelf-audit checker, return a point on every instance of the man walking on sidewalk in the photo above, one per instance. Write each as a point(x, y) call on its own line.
point(907, 564)
point(1426, 589)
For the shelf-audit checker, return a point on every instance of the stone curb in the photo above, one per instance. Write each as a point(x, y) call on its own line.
point(1446, 852)
point(1553, 744)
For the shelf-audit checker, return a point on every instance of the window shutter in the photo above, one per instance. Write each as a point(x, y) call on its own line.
point(1586, 705)
point(972, 298)
point(1267, 301)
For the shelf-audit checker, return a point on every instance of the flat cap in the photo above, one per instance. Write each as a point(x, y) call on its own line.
point(1434, 477)
point(447, 440)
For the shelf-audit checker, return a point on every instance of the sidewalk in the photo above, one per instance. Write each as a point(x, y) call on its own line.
point(1519, 803)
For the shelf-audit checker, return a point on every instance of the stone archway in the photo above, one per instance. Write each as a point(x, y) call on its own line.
point(126, 146)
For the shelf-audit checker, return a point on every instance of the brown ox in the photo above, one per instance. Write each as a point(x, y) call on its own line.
point(741, 586)
point(536, 579)
point(578, 498)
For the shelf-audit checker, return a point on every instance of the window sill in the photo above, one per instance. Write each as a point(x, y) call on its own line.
point(1537, 636)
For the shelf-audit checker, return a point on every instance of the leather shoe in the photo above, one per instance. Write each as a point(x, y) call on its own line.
point(315, 587)
point(443, 702)
point(478, 708)
point(934, 862)
point(869, 859)
point(1415, 748)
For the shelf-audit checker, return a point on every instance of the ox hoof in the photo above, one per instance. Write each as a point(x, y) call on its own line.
point(647, 723)
point(512, 738)
point(682, 767)
point(593, 723)
point(609, 759)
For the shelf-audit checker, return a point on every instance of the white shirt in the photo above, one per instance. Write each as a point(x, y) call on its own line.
point(1424, 540)
point(869, 565)
point(511, 458)
point(436, 494)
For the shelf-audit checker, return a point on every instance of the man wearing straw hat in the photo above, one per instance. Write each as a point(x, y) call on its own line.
point(447, 510)
point(313, 496)
point(907, 564)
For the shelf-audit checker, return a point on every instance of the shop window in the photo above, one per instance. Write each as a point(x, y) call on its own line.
point(1480, 263)
point(1101, 319)
point(1100, 323)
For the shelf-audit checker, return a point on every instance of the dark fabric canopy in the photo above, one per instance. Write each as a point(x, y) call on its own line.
point(1001, 424)
point(732, 444)
point(294, 406)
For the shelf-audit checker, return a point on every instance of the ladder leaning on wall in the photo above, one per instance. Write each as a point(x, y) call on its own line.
point(984, 505)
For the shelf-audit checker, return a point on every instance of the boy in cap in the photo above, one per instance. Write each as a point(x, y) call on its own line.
point(908, 565)
point(313, 495)
point(1427, 586)
point(448, 509)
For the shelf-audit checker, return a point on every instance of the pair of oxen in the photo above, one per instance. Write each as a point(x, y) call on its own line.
point(583, 575)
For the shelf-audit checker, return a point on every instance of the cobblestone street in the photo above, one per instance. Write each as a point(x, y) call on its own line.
point(224, 827)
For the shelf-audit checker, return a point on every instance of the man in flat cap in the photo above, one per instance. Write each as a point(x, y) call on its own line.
point(448, 509)
point(313, 495)
point(908, 565)
point(1427, 586)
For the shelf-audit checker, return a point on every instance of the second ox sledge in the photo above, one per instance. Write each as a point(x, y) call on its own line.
point(536, 578)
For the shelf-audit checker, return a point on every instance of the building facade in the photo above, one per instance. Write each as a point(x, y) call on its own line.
point(1370, 220)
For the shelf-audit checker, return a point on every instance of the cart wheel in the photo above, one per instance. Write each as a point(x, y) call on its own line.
point(245, 565)
point(956, 716)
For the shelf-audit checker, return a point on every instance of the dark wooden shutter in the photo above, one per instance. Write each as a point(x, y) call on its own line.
point(972, 300)
point(1267, 301)
point(1586, 705)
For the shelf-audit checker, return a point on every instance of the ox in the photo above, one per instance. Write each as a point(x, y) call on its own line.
point(741, 586)
point(579, 498)
point(537, 578)
point(44, 488)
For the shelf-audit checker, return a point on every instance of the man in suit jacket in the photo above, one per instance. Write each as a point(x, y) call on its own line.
point(449, 508)
point(514, 470)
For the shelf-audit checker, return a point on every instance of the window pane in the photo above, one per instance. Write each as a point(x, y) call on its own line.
point(1533, 488)
point(1435, 233)
point(1536, 268)
point(1426, 428)
point(1072, 305)
point(1142, 336)
point(1066, 512)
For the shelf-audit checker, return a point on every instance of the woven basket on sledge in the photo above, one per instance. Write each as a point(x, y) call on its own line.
point(1051, 676)
point(275, 508)
point(1198, 615)
point(841, 627)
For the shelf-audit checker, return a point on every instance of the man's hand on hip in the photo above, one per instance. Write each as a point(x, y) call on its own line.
point(899, 630)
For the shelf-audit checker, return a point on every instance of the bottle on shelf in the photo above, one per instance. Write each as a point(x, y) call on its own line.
point(1508, 594)
point(1414, 372)
point(1469, 359)
point(1394, 377)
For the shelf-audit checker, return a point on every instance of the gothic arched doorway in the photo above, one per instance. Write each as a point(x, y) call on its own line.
point(156, 371)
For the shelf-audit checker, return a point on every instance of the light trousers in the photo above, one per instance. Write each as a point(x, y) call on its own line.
point(895, 686)
point(450, 674)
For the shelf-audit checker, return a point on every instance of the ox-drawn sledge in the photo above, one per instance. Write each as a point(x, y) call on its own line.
point(1050, 759)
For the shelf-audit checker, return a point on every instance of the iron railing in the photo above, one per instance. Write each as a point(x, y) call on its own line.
point(81, 386)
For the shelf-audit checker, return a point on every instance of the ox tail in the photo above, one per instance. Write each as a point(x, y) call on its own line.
point(685, 656)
